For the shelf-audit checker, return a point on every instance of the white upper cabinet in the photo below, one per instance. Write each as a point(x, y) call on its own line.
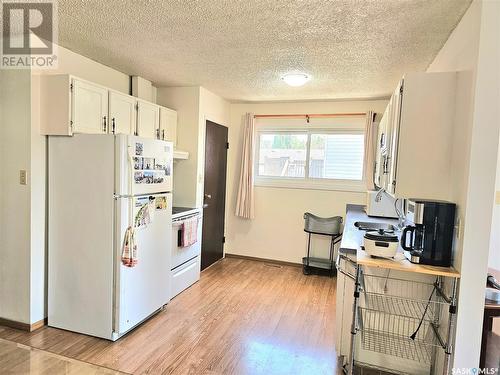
point(148, 120)
point(414, 159)
point(71, 105)
point(122, 113)
point(168, 125)
point(89, 108)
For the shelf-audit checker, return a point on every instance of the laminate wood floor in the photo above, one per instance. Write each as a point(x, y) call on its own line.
point(21, 359)
point(242, 317)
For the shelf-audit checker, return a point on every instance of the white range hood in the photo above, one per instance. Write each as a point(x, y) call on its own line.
point(180, 155)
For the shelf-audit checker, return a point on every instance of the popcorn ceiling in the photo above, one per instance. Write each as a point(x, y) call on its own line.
point(240, 49)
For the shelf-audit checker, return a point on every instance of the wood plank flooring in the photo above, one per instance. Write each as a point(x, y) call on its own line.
point(242, 317)
point(22, 359)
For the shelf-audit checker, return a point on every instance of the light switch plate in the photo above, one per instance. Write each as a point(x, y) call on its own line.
point(22, 177)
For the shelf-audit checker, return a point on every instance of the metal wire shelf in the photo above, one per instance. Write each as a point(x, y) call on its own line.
point(390, 334)
point(401, 317)
point(392, 296)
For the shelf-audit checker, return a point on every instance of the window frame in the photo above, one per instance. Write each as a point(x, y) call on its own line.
point(306, 182)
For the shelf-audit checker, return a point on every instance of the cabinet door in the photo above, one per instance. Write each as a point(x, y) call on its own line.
point(89, 108)
point(122, 114)
point(168, 125)
point(148, 118)
point(394, 139)
point(381, 155)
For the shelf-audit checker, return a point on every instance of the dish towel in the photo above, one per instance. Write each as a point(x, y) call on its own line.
point(129, 249)
point(189, 232)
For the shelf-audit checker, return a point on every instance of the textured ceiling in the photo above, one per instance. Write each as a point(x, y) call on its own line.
point(240, 49)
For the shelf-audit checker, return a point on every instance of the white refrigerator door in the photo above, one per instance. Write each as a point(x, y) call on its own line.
point(144, 166)
point(144, 288)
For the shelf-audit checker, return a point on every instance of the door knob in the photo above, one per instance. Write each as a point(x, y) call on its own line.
point(208, 196)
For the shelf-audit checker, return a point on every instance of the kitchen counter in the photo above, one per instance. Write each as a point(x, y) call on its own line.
point(352, 241)
point(352, 238)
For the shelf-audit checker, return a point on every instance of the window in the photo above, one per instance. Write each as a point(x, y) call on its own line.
point(329, 159)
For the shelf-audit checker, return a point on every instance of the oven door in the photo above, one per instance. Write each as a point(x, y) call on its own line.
point(181, 255)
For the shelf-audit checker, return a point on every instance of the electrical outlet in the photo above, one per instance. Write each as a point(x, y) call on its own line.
point(22, 177)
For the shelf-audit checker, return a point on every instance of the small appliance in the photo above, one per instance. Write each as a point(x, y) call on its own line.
point(429, 239)
point(380, 204)
point(381, 243)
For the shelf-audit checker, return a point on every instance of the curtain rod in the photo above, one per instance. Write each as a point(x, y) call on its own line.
point(318, 115)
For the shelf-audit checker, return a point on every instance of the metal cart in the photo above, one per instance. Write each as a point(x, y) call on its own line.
point(331, 227)
point(402, 318)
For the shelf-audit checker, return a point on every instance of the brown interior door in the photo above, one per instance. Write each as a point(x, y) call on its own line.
point(212, 244)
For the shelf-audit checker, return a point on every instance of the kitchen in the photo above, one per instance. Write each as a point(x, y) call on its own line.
point(456, 166)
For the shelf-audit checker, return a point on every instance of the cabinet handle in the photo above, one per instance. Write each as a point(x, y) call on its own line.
point(105, 126)
point(157, 133)
point(113, 125)
point(163, 134)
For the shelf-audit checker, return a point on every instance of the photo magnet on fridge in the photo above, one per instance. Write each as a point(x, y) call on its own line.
point(139, 148)
point(161, 203)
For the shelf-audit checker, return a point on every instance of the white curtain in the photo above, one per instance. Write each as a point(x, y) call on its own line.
point(370, 147)
point(245, 202)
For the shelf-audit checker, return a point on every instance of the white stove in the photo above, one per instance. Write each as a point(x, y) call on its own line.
point(185, 261)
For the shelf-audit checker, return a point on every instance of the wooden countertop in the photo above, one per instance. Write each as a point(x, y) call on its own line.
point(400, 263)
point(353, 239)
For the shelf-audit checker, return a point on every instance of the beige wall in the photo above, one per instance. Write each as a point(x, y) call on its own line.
point(70, 62)
point(15, 154)
point(473, 49)
point(494, 258)
point(185, 100)
point(277, 230)
point(194, 105)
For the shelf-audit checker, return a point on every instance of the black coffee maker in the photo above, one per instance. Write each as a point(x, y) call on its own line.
point(429, 237)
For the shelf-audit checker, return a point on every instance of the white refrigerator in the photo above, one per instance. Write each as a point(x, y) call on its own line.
point(100, 185)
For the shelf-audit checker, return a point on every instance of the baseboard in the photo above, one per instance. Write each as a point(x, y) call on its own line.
point(38, 324)
point(23, 326)
point(274, 261)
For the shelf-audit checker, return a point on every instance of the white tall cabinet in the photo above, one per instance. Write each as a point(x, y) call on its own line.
point(414, 139)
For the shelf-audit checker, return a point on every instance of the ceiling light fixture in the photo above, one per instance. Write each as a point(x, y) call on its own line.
point(295, 79)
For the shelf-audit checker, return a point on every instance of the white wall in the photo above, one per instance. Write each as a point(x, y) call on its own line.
point(15, 151)
point(277, 230)
point(473, 50)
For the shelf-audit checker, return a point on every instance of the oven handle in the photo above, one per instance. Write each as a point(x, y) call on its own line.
point(178, 222)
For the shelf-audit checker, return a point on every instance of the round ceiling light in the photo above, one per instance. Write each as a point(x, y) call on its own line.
point(295, 79)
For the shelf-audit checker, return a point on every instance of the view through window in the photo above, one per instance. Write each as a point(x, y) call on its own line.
point(310, 155)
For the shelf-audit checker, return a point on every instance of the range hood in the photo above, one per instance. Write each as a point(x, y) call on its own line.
point(180, 155)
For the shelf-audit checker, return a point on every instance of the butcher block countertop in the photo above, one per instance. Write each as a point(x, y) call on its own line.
point(352, 241)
